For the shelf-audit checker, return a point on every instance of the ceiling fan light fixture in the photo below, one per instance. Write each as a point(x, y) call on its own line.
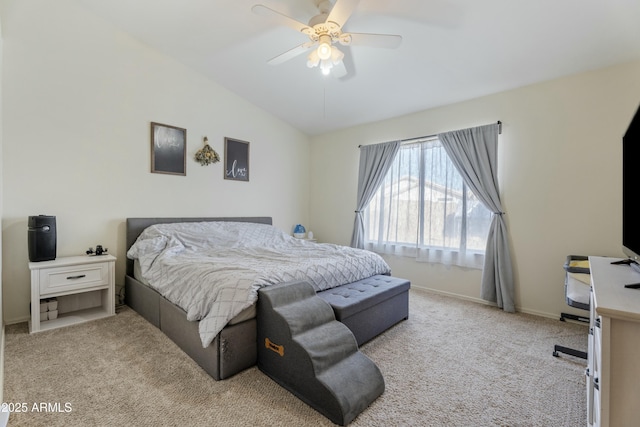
point(325, 67)
point(336, 55)
point(313, 59)
point(324, 50)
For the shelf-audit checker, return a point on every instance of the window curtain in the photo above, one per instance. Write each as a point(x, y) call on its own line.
point(375, 161)
point(423, 210)
point(474, 152)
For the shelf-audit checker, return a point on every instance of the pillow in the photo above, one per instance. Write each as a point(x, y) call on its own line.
point(216, 234)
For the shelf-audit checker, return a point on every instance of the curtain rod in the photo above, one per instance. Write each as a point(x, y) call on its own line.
point(435, 135)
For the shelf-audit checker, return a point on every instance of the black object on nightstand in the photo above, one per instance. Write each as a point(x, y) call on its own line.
point(99, 251)
point(42, 238)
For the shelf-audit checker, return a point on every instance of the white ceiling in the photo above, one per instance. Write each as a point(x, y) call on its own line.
point(452, 50)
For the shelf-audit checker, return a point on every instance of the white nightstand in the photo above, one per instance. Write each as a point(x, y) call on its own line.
point(84, 287)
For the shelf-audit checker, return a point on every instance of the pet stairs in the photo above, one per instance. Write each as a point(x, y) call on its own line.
point(307, 351)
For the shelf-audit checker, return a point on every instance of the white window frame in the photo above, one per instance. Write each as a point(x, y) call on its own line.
point(450, 255)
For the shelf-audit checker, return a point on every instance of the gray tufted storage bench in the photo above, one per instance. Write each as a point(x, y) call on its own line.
point(370, 306)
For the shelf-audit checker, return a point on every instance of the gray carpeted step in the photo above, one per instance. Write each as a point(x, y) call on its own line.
point(327, 344)
point(304, 349)
point(305, 313)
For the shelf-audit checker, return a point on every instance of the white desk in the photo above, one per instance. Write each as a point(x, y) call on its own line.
point(613, 367)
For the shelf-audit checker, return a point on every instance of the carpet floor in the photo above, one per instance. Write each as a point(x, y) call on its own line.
point(452, 363)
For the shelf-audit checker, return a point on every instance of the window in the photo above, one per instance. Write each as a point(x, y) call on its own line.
point(423, 209)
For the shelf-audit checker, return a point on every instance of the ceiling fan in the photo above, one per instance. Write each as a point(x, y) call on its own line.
point(324, 31)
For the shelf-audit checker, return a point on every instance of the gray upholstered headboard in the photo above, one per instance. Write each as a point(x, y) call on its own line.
point(135, 226)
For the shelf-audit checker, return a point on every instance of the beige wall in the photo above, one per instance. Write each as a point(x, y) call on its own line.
point(79, 95)
point(78, 99)
point(559, 174)
point(1, 317)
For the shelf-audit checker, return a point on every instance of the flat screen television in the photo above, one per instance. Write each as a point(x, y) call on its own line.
point(630, 191)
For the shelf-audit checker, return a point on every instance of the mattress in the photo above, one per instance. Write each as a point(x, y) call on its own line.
point(213, 270)
point(246, 314)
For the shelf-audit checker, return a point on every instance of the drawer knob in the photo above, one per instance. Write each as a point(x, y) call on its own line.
point(80, 276)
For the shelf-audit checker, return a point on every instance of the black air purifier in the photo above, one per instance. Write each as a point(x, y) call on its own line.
point(42, 238)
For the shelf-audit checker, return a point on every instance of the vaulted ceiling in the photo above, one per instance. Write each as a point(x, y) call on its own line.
point(452, 50)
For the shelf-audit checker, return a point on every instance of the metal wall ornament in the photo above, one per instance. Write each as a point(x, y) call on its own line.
point(206, 155)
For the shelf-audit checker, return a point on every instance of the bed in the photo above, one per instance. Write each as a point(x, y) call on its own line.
point(228, 343)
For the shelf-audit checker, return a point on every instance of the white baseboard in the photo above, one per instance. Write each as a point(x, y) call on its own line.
point(17, 320)
point(453, 295)
point(481, 301)
point(4, 416)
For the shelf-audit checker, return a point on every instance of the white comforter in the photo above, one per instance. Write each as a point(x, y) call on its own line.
point(213, 270)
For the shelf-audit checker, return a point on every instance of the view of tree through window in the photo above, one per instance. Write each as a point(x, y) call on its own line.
point(424, 203)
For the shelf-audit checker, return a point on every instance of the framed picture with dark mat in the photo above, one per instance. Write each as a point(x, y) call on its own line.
point(168, 149)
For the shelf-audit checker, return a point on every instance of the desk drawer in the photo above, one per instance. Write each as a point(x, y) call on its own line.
point(597, 345)
point(60, 279)
point(596, 407)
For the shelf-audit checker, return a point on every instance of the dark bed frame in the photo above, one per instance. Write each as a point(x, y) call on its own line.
point(368, 307)
point(232, 350)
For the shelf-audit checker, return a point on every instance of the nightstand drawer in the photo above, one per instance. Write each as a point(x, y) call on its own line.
point(60, 279)
point(79, 283)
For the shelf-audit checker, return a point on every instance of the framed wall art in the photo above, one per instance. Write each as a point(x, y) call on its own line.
point(168, 149)
point(236, 159)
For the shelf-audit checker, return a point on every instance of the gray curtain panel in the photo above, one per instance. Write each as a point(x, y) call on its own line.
point(474, 152)
point(375, 161)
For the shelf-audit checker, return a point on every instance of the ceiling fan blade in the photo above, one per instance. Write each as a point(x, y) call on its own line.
point(341, 11)
point(291, 53)
point(388, 41)
point(281, 18)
